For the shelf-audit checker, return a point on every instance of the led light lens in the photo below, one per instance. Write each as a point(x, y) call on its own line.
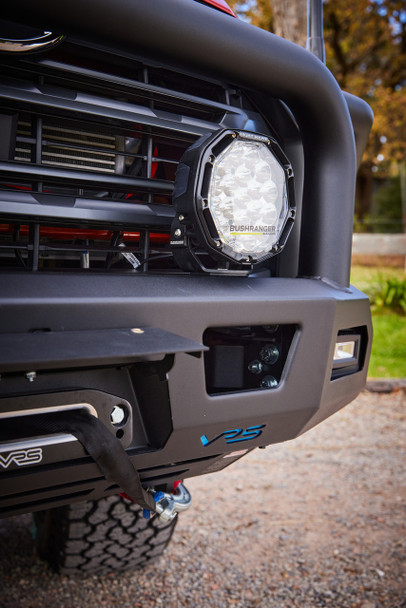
point(344, 351)
point(248, 197)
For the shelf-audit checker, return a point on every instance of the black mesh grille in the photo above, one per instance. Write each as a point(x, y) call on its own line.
point(92, 142)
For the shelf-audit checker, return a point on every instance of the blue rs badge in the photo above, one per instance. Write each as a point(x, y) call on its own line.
point(235, 435)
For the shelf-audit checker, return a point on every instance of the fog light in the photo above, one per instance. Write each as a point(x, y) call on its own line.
point(234, 200)
point(344, 351)
point(349, 352)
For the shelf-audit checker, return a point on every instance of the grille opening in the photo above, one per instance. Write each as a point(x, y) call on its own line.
point(95, 141)
point(137, 71)
point(97, 149)
point(43, 247)
point(72, 70)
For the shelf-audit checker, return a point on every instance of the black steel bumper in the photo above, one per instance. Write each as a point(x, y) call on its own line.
point(169, 418)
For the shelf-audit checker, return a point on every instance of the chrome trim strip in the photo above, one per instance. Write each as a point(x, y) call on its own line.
point(41, 441)
point(49, 410)
point(28, 45)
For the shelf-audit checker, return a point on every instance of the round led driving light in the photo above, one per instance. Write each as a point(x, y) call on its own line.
point(248, 198)
point(234, 193)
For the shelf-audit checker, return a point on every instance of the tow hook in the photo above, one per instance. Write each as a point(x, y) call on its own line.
point(169, 505)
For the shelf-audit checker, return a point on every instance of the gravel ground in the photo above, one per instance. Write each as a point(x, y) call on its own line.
point(319, 521)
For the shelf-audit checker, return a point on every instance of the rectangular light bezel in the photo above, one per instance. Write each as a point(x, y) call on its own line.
point(345, 365)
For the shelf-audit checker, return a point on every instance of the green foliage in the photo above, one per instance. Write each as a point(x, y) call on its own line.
point(388, 359)
point(385, 215)
point(362, 225)
point(363, 277)
point(389, 294)
point(386, 286)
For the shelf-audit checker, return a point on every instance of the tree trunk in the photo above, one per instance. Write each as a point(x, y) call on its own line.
point(290, 20)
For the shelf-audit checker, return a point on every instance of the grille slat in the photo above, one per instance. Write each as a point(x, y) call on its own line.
point(98, 109)
point(151, 92)
point(55, 174)
point(21, 206)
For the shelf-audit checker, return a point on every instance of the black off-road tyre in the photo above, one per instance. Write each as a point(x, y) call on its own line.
point(99, 536)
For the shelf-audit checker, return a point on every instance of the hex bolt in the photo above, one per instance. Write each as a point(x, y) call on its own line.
point(117, 414)
point(31, 376)
point(269, 354)
point(268, 382)
point(178, 232)
point(181, 218)
point(255, 367)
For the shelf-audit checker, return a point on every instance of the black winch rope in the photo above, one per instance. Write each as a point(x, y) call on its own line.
point(105, 449)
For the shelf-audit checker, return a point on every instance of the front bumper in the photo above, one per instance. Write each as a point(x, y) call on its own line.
point(171, 414)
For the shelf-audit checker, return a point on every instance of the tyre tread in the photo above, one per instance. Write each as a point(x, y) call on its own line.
point(100, 536)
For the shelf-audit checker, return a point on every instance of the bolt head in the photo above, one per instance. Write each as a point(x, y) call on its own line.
point(255, 367)
point(178, 232)
point(117, 415)
point(269, 382)
point(269, 354)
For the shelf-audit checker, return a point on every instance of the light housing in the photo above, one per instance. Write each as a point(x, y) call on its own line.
point(349, 351)
point(234, 202)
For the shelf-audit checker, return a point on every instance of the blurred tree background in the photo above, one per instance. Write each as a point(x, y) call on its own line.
point(366, 51)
